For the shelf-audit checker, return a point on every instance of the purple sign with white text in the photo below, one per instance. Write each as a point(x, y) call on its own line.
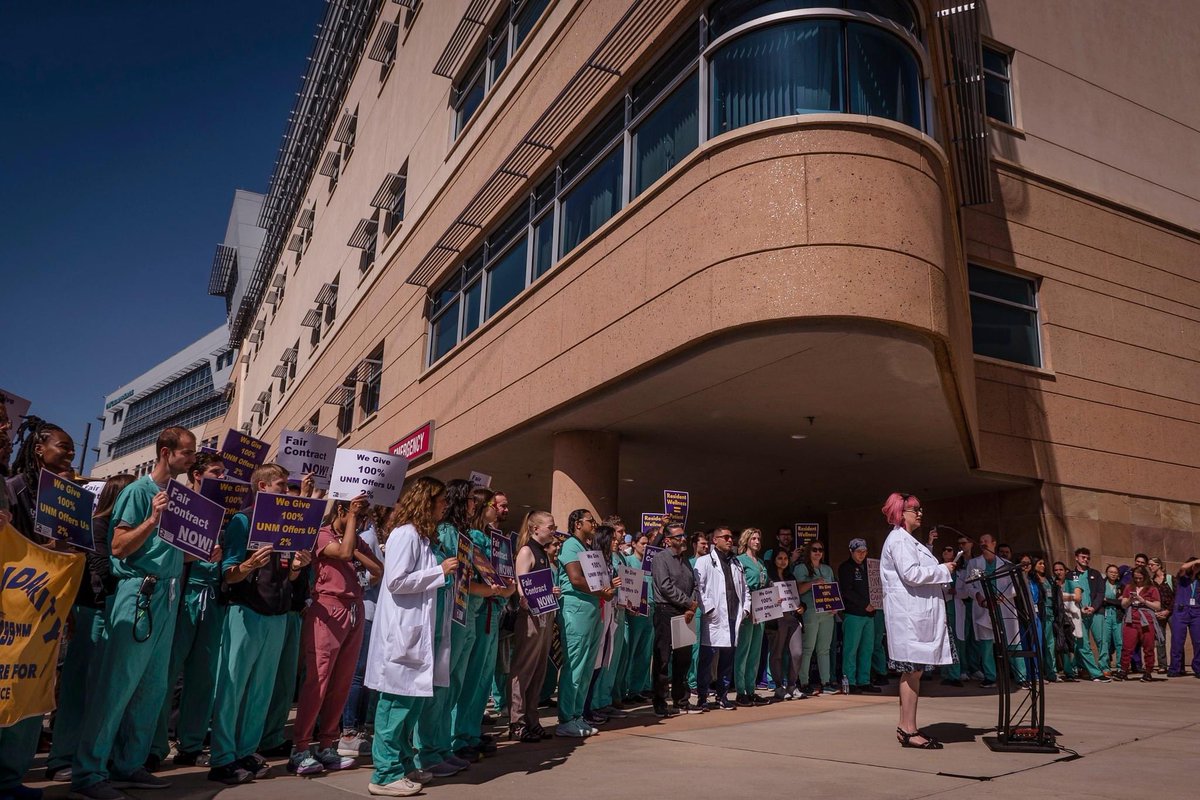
point(286, 522)
point(191, 522)
point(537, 587)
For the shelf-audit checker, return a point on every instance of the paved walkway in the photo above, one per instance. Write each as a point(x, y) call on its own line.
point(1126, 735)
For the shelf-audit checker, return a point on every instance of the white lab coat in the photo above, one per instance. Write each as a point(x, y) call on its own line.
point(715, 627)
point(914, 608)
point(401, 659)
point(1008, 611)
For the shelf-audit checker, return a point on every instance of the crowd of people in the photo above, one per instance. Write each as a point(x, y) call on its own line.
point(367, 634)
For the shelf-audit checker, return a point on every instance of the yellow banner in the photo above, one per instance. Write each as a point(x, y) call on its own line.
point(37, 587)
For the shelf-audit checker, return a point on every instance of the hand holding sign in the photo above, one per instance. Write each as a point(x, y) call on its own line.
point(64, 511)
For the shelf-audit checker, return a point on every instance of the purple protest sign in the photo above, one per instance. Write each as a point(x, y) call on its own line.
point(242, 454)
point(284, 521)
point(675, 505)
point(827, 597)
point(191, 522)
point(502, 556)
point(231, 495)
point(537, 587)
point(648, 558)
point(64, 511)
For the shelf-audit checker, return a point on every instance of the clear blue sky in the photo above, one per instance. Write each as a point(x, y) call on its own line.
point(126, 128)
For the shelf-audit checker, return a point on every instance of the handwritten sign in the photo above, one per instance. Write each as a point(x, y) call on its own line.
point(764, 605)
point(652, 520)
point(242, 454)
point(629, 593)
point(807, 532)
point(595, 569)
point(231, 495)
point(648, 558)
point(379, 475)
point(502, 556)
point(789, 598)
point(874, 583)
point(462, 582)
point(284, 521)
point(537, 587)
point(191, 522)
point(64, 511)
point(827, 597)
point(675, 505)
point(302, 453)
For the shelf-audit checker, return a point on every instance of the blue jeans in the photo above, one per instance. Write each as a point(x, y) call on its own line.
point(358, 702)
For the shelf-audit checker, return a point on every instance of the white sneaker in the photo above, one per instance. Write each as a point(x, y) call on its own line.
point(401, 788)
point(332, 761)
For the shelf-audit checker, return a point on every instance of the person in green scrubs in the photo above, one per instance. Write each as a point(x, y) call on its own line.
point(858, 620)
point(197, 644)
point(818, 625)
point(641, 632)
point(750, 634)
point(700, 545)
point(469, 740)
point(610, 687)
point(251, 642)
point(1086, 582)
point(580, 626)
point(1070, 608)
point(1050, 599)
point(1110, 609)
point(131, 676)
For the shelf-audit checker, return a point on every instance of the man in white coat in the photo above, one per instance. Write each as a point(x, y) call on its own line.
point(725, 599)
point(987, 562)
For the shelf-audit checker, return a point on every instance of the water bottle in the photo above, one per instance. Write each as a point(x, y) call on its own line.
point(845, 685)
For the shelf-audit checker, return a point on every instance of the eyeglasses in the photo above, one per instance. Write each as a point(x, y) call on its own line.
point(724, 536)
point(918, 510)
point(816, 550)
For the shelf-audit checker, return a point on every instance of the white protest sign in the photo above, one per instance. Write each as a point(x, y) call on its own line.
point(789, 598)
point(595, 569)
point(302, 453)
point(379, 475)
point(764, 605)
point(17, 407)
point(629, 593)
point(95, 487)
point(874, 583)
point(481, 479)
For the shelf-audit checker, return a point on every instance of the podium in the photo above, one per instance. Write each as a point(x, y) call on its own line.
point(1021, 720)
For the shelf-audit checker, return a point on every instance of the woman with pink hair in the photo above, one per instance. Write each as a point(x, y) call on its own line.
point(914, 611)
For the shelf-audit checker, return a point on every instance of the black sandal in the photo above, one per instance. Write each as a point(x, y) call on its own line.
point(906, 740)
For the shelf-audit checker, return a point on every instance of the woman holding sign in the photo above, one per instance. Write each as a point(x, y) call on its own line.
point(534, 629)
point(641, 632)
point(818, 625)
point(914, 611)
point(750, 637)
point(785, 635)
point(407, 658)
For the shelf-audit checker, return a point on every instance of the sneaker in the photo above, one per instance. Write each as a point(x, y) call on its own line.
point(986, 684)
point(712, 705)
point(686, 707)
point(353, 744)
point(661, 711)
point(138, 779)
point(594, 718)
point(255, 764)
point(762, 701)
point(612, 712)
point(152, 763)
point(421, 776)
point(1146, 678)
point(569, 729)
point(98, 791)
point(814, 690)
point(725, 704)
point(443, 770)
point(869, 689)
point(231, 774)
point(401, 788)
point(744, 700)
point(302, 762)
point(468, 754)
point(1102, 679)
point(882, 680)
point(185, 759)
point(59, 774)
point(332, 761)
point(461, 763)
point(831, 688)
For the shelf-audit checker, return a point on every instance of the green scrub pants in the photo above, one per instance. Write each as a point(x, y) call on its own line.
point(130, 684)
point(879, 652)
point(639, 647)
point(1110, 641)
point(391, 748)
point(501, 683)
point(1093, 627)
point(818, 640)
point(985, 651)
point(605, 692)
point(1049, 660)
point(18, 746)
point(694, 664)
point(250, 647)
point(968, 650)
point(434, 725)
point(194, 655)
point(746, 656)
point(580, 626)
point(858, 644)
point(468, 714)
point(78, 673)
point(286, 677)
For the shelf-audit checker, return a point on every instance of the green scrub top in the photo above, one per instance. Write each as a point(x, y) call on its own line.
point(154, 557)
point(237, 536)
point(636, 563)
point(801, 574)
point(448, 540)
point(1080, 582)
point(755, 571)
point(1111, 592)
point(569, 554)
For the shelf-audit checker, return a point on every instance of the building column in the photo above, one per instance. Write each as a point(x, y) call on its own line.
point(585, 474)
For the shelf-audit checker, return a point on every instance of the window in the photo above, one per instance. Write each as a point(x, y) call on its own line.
point(345, 417)
point(1004, 316)
point(506, 36)
point(329, 299)
point(117, 415)
point(997, 84)
point(370, 372)
point(390, 199)
point(314, 423)
point(346, 133)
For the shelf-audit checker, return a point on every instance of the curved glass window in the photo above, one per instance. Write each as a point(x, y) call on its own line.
point(726, 15)
point(884, 79)
point(786, 69)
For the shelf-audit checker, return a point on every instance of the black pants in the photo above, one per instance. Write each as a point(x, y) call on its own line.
point(668, 661)
point(724, 656)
